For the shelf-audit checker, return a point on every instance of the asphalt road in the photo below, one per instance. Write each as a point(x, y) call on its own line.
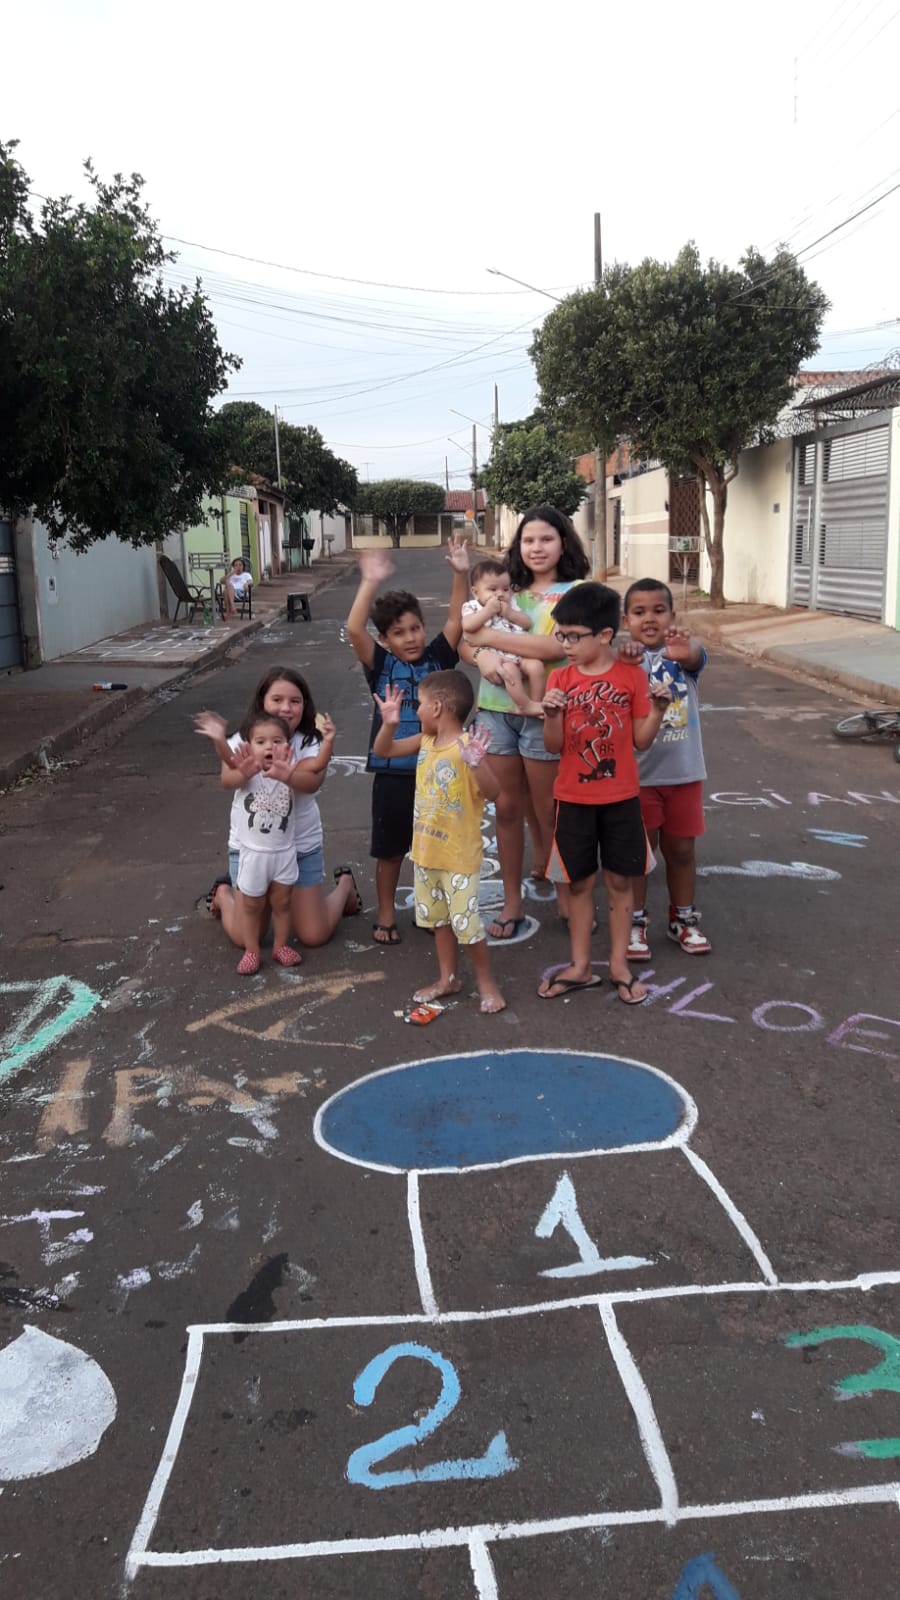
point(463, 1338)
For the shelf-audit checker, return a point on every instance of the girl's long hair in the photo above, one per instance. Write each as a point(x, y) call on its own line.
point(573, 561)
point(306, 727)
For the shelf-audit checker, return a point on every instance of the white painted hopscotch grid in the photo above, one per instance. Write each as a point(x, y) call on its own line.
point(668, 1510)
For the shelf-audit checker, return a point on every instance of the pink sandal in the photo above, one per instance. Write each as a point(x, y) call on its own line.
point(248, 964)
point(286, 957)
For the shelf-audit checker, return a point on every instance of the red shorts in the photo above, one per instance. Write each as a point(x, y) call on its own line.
point(674, 808)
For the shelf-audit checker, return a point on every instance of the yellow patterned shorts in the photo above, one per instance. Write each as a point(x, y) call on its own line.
point(448, 897)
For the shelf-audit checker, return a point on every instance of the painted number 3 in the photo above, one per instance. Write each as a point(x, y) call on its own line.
point(495, 1462)
point(884, 1376)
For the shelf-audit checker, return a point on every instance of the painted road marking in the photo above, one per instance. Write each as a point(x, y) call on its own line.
point(33, 1031)
point(179, 1455)
point(494, 1108)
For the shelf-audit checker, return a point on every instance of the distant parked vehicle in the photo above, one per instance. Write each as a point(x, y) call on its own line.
point(871, 725)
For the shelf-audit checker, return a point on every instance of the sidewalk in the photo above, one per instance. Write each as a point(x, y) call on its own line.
point(49, 712)
point(846, 653)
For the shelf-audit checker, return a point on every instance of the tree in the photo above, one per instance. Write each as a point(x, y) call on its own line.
point(395, 500)
point(688, 363)
point(106, 376)
point(528, 467)
point(313, 478)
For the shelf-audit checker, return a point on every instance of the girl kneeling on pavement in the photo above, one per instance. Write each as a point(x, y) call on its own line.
point(282, 692)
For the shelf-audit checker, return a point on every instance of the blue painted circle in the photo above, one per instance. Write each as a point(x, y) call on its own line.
point(474, 1110)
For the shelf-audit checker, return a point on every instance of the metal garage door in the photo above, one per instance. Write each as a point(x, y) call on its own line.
point(10, 637)
point(840, 522)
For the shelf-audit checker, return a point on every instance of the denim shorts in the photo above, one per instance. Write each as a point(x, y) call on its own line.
point(310, 868)
point(515, 735)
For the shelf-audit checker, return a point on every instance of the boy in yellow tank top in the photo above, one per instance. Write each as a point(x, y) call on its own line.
point(452, 783)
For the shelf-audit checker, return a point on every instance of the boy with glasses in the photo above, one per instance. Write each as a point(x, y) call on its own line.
point(597, 711)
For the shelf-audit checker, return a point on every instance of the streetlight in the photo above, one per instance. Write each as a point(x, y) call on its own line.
point(495, 272)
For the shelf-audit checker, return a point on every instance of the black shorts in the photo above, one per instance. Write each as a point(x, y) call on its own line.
point(393, 800)
point(615, 831)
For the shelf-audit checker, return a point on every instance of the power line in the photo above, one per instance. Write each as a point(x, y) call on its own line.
point(335, 277)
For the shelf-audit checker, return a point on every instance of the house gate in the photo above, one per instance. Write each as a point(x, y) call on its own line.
point(840, 519)
point(10, 633)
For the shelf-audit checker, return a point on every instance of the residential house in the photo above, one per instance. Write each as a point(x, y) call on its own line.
point(432, 528)
point(54, 601)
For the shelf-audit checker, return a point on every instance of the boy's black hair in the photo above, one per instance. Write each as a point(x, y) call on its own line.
point(648, 586)
point(490, 568)
point(453, 688)
point(306, 727)
point(589, 605)
point(261, 718)
point(573, 561)
point(390, 607)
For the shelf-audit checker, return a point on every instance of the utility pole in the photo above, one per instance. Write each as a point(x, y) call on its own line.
point(277, 449)
point(447, 474)
point(475, 479)
point(496, 416)
point(599, 451)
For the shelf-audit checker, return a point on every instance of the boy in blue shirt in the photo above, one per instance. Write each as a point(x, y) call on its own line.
point(399, 657)
point(672, 770)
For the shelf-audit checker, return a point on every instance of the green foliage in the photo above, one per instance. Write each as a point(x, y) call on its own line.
point(106, 376)
point(529, 468)
point(688, 362)
point(313, 478)
point(396, 500)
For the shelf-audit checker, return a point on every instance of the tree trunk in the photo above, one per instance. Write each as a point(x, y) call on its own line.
point(395, 530)
point(719, 491)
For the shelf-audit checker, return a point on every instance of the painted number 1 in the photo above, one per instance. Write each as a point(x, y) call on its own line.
point(884, 1376)
point(561, 1211)
point(495, 1462)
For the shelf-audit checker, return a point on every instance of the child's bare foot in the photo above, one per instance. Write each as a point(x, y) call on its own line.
point(491, 1001)
point(438, 991)
point(248, 964)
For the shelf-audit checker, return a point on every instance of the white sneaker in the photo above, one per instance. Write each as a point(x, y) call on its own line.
point(686, 932)
point(638, 948)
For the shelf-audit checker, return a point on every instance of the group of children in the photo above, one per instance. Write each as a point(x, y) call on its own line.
point(596, 742)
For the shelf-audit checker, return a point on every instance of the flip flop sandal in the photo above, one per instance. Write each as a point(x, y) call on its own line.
point(565, 986)
point(515, 923)
point(629, 983)
point(390, 928)
point(347, 872)
point(211, 895)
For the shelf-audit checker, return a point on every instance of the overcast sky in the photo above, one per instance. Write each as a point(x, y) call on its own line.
point(413, 145)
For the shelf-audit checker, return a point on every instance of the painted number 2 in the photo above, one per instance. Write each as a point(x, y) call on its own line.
point(495, 1462)
point(884, 1376)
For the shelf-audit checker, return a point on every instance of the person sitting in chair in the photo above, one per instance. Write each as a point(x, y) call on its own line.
point(235, 587)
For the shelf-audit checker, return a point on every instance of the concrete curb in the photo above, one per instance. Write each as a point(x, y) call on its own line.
point(817, 674)
point(110, 707)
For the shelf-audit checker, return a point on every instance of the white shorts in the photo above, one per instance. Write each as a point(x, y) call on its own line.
point(258, 868)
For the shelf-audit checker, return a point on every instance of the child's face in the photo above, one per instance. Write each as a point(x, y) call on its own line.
point(491, 583)
point(405, 638)
point(648, 617)
point(268, 744)
point(284, 700)
point(429, 713)
point(540, 548)
point(582, 647)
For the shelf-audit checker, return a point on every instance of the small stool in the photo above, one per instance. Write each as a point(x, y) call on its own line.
point(298, 608)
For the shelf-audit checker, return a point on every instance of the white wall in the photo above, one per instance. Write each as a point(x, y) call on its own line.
point(82, 598)
point(335, 527)
point(892, 579)
point(757, 528)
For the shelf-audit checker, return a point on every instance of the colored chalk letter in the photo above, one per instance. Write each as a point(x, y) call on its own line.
point(495, 1462)
point(702, 1576)
point(884, 1376)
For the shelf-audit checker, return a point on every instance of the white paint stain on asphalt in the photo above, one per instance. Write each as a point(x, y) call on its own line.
point(56, 1403)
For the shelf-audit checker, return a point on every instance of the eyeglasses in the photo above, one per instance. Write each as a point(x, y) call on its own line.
point(572, 638)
